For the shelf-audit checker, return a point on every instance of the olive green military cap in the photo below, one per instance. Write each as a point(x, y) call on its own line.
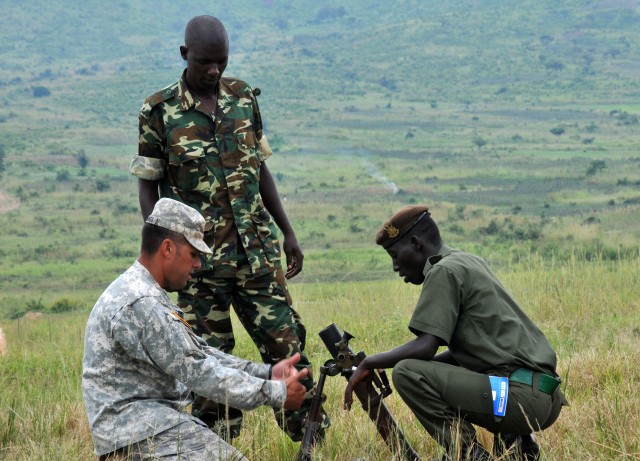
point(400, 224)
point(182, 219)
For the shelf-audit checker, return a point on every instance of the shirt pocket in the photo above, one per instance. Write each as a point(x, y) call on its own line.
point(250, 164)
point(186, 168)
point(266, 232)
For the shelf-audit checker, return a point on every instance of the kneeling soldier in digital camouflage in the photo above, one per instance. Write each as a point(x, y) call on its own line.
point(499, 370)
point(142, 361)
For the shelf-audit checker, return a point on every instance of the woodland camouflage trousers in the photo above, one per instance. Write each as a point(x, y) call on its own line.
point(263, 306)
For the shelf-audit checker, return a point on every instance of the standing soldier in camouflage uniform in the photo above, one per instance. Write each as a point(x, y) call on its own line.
point(141, 359)
point(201, 142)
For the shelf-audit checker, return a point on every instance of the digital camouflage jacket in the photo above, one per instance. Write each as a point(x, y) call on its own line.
point(141, 362)
point(212, 163)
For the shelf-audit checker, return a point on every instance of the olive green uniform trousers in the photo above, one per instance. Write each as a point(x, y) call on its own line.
point(448, 400)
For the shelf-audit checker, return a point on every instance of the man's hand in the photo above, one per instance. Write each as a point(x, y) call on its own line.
point(286, 372)
point(272, 203)
point(361, 373)
point(294, 256)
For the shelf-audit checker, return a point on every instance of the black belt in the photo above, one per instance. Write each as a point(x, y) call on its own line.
point(548, 384)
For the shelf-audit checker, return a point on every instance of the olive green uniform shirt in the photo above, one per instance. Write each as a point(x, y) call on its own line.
point(463, 303)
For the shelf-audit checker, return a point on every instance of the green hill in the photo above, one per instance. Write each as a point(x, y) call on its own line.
point(517, 122)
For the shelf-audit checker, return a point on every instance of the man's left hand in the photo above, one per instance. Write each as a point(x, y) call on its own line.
point(294, 256)
point(285, 368)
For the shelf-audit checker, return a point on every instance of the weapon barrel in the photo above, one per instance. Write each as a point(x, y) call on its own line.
point(336, 343)
point(331, 336)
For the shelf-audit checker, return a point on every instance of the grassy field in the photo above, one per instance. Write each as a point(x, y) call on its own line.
point(519, 130)
point(588, 309)
point(517, 125)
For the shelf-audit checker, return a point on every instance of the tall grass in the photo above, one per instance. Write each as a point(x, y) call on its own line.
point(589, 311)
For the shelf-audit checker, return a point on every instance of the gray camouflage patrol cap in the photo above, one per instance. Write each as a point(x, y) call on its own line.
point(182, 219)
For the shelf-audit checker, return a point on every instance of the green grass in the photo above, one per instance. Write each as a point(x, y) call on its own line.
point(356, 104)
point(589, 311)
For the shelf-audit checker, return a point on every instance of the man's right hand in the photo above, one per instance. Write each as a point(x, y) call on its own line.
point(286, 372)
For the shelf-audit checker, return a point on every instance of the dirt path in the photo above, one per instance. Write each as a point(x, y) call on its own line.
point(8, 202)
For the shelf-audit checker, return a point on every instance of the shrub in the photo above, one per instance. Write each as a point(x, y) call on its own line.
point(62, 175)
point(41, 91)
point(479, 142)
point(595, 167)
point(83, 160)
point(102, 185)
point(66, 305)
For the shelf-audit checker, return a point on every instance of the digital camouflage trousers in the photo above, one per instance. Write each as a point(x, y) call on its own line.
point(263, 306)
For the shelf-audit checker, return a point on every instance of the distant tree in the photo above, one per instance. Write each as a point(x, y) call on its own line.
point(554, 65)
point(62, 175)
point(492, 228)
point(326, 13)
point(281, 23)
point(591, 127)
point(2, 167)
point(546, 39)
point(388, 83)
point(41, 91)
point(479, 142)
point(102, 184)
point(596, 166)
point(625, 118)
point(557, 131)
point(21, 193)
point(46, 74)
point(83, 162)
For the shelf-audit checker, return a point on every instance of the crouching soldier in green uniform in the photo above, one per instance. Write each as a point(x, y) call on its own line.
point(499, 371)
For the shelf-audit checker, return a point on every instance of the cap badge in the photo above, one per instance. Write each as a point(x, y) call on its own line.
point(392, 231)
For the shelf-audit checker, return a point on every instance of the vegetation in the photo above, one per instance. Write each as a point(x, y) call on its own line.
point(594, 331)
point(516, 124)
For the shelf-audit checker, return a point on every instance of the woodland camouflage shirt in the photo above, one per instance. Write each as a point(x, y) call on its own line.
point(141, 361)
point(212, 163)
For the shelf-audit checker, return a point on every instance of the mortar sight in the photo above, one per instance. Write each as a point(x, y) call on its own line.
point(336, 342)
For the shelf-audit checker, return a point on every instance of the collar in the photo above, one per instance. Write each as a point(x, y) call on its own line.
point(144, 274)
point(189, 100)
point(433, 260)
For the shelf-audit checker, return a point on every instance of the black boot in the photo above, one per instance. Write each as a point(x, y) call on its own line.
point(519, 447)
point(506, 443)
point(529, 447)
point(475, 452)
